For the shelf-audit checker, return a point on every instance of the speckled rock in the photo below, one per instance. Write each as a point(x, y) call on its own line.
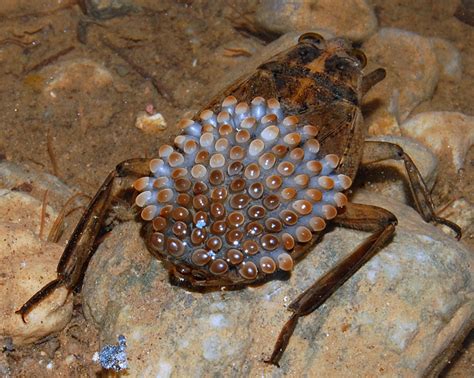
point(412, 73)
point(389, 177)
point(23, 209)
point(26, 264)
point(449, 133)
point(354, 19)
point(395, 316)
point(27, 261)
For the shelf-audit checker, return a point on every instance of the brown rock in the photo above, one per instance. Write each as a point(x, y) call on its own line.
point(354, 19)
point(412, 73)
point(11, 8)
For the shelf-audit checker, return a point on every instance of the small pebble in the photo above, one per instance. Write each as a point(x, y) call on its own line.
point(150, 124)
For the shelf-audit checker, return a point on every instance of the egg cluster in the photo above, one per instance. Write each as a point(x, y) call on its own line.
point(240, 189)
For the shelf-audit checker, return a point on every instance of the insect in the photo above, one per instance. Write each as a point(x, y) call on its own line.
point(254, 178)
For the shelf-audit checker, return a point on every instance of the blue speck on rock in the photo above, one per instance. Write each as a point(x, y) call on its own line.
point(114, 356)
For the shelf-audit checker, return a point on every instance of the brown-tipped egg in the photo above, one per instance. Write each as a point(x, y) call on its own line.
point(267, 160)
point(267, 265)
point(285, 262)
point(218, 267)
point(248, 270)
point(164, 195)
point(303, 234)
point(256, 147)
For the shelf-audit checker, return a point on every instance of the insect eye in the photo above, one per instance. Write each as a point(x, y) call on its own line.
point(360, 56)
point(313, 38)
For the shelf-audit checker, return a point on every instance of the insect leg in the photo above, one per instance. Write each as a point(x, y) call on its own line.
point(378, 151)
point(361, 217)
point(369, 80)
point(84, 239)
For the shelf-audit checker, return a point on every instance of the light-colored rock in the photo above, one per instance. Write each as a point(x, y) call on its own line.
point(383, 122)
point(449, 58)
point(72, 91)
point(390, 178)
point(150, 123)
point(23, 209)
point(13, 175)
point(354, 19)
point(396, 315)
point(27, 261)
point(26, 265)
point(412, 72)
point(77, 74)
point(448, 134)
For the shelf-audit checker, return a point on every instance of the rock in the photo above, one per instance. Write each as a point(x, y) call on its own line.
point(106, 9)
point(150, 123)
point(412, 72)
point(354, 19)
point(390, 178)
point(397, 314)
point(5, 370)
point(383, 123)
point(11, 8)
point(81, 75)
point(449, 133)
point(21, 208)
point(27, 264)
point(74, 89)
point(23, 178)
point(449, 58)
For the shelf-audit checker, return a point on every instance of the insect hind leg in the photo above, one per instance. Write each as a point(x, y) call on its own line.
point(87, 234)
point(356, 216)
point(375, 151)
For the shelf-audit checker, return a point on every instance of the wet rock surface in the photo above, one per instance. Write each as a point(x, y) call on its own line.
point(450, 133)
point(412, 72)
point(28, 260)
point(449, 58)
point(396, 315)
point(23, 178)
point(26, 264)
point(25, 7)
point(354, 19)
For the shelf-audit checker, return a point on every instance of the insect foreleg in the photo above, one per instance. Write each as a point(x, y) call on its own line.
point(84, 239)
